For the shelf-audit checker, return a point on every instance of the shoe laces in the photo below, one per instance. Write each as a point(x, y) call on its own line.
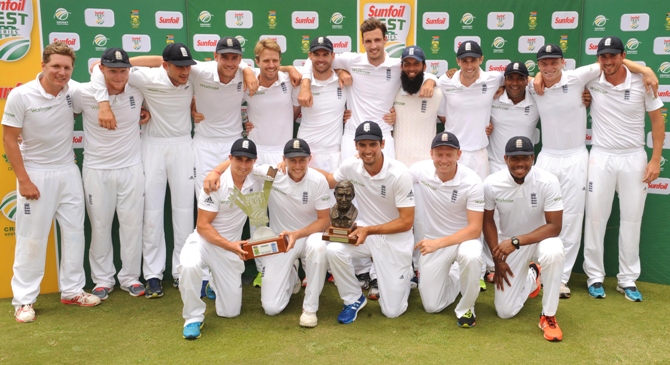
point(551, 321)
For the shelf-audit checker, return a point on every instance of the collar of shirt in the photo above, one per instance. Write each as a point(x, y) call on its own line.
point(561, 82)
point(248, 181)
point(456, 79)
point(622, 86)
point(281, 77)
point(527, 100)
point(382, 173)
point(44, 93)
point(321, 83)
point(166, 80)
point(214, 69)
point(453, 182)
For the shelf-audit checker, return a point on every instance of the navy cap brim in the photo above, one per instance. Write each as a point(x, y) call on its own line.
point(321, 47)
point(243, 154)
point(516, 72)
point(609, 51)
point(469, 54)
point(414, 57)
point(229, 50)
point(445, 144)
point(116, 64)
point(519, 153)
point(182, 62)
point(297, 154)
point(549, 56)
point(368, 137)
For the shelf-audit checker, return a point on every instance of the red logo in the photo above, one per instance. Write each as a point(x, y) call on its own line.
point(664, 94)
point(593, 46)
point(79, 139)
point(170, 20)
point(13, 5)
point(389, 12)
point(341, 44)
point(307, 20)
point(68, 41)
point(206, 43)
point(435, 21)
point(500, 68)
point(566, 20)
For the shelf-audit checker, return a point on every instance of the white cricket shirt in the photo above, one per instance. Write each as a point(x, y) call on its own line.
point(510, 120)
point(271, 112)
point(415, 126)
point(321, 125)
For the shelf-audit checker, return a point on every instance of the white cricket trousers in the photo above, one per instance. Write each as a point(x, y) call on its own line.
point(570, 168)
point(121, 191)
point(550, 255)
point(440, 284)
point(279, 275)
point(609, 171)
point(207, 154)
point(166, 161)
point(226, 267)
point(392, 255)
point(62, 198)
point(349, 146)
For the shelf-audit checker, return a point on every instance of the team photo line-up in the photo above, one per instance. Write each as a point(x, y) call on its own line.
point(446, 212)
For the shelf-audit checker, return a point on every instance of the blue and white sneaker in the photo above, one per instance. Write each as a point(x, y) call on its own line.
point(192, 330)
point(631, 293)
point(210, 292)
point(597, 291)
point(350, 312)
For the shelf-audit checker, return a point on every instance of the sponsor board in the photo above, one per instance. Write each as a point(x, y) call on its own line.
point(169, 20)
point(204, 19)
point(135, 19)
point(99, 17)
point(8, 207)
point(341, 43)
point(664, 70)
point(61, 15)
point(336, 20)
point(500, 20)
point(564, 20)
point(498, 45)
point(280, 39)
point(205, 42)
point(530, 43)
point(241, 19)
point(666, 142)
point(570, 64)
point(589, 136)
point(437, 67)
point(460, 39)
point(399, 17)
point(531, 66)
point(664, 93)
point(599, 23)
point(299, 62)
point(638, 22)
point(305, 20)
point(100, 42)
point(71, 39)
point(632, 45)
point(136, 43)
point(435, 20)
point(662, 45)
point(467, 21)
point(78, 139)
point(591, 46)
point(497, 65)
point(249, 62)
point(660, 186)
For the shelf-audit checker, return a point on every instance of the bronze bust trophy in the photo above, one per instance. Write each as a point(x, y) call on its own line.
point(343, 214)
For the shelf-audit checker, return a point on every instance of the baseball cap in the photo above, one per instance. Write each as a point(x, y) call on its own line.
point(321, 43)
point(228, 45)
point(549, 51)
point(178, 54)
point(519, 146)
point(368, 131)
point(516, 67)
point(297, 148)
point(413, 52)
point(445, 139)
point(612, 45)
point(469, 49)
point(115, 57)
point(244, 147)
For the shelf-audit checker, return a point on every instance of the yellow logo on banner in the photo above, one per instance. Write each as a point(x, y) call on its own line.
point(398, 16)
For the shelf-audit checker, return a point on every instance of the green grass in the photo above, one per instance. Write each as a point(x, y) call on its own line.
point(126, 330)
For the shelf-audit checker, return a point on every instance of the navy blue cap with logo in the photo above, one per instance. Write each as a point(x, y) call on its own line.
point(413, 52)
point(369, 131)
point(445, 139)
point(178, 54)
point(610, 45)
point(321, 43)
point(519, 146)
point(297, 147)
point(115, 57)
point(244, 147)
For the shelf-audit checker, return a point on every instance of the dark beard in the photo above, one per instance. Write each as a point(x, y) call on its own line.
point(411, 86)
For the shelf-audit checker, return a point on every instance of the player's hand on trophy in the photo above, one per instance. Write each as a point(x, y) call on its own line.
point(29, 190)
point(586, 98)
point(345, 78)
point(502, 270)
point(145, 115)
point(236, 247)
point(427, 246)
point(504, 249)
point(390, 117)
point(292, 237)
point(489, 129)
point(211, 182)
point(360, 234)
point(347, 115)
point(106, 118)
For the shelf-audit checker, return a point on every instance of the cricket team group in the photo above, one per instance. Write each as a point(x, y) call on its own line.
point(448, 212)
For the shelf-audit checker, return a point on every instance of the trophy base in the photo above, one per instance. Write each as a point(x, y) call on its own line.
point(265, 246)
point(339, 234)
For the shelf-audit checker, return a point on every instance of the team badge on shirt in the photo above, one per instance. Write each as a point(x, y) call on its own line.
point(533, 200)
point(626, 95)
point(484, 88)
point(388, 74)
point(305, 197)
point(565, 89)
point(454, 196)
point(424, 106)
point(283, 87)
point(383, 192)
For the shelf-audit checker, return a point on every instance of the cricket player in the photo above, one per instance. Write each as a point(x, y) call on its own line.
point(113, 181)
point(528, 201)
point(167, 157)
point(453, 201)
point(47, 180)
point(558, 95)
point(216, 243)
point(618, 162)
point(299, 207)
point(386, 213)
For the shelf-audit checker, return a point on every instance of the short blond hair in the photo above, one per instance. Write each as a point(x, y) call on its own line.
point(57, 48)
point(266, 43)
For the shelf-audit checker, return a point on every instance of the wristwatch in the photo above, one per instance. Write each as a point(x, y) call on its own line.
point(515, 242)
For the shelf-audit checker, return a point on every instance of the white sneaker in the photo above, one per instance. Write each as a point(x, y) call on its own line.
point(308, 319)
point(26, 313)
point(565, 292)
point(82, 300)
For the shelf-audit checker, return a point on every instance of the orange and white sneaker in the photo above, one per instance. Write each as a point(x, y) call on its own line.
point(552, 332)
point(535, 270)
point(25, 313)
point(82, 300)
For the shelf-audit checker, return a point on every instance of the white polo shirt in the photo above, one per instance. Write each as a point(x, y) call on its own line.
point(445, 204)
point(230, 218)
point(510, 120)
point(617, 112)
point(321, 125)
point(521, 207)
point(468, 109)
point(220, 103)
point(170, 105)
point(293, 205)
point(379, 196)
point(271, 112)
point(562, 111)
point(105, 149)
point(415, 126)
point(46, 122)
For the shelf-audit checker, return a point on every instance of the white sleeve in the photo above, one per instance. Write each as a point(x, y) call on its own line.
point(587, 73)
point(500, 79)
point(651, 103)
point(489, 199)
point(340, 173)
point(14, 112)
point(294, 96)
point(196, 70)
point(322, 193)
point(306, 70)
point(553, 200)
point(429, 76)
point(77, 106)
point(475, 198)
point(404, 193)
point(98, 85)
point(414, 172)
point(209, 202)
point(442, 110)
point(260, 172)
